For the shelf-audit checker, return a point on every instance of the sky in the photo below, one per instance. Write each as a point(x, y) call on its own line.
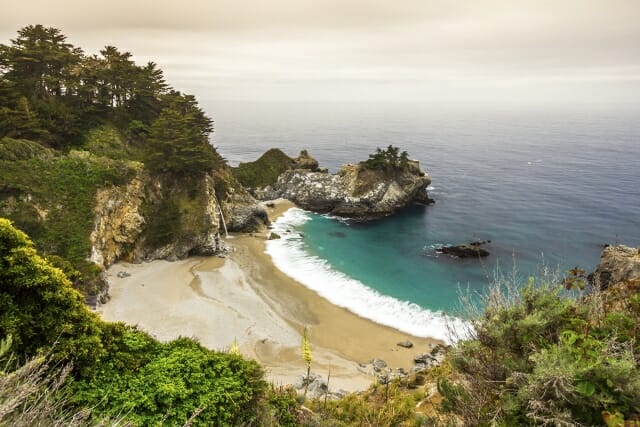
point(426, 51)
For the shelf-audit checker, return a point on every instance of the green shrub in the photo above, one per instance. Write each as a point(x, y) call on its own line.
point(547, 358)
point(177, 380)
point(39, 308)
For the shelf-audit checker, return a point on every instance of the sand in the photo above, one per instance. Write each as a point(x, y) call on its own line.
point(245, 298)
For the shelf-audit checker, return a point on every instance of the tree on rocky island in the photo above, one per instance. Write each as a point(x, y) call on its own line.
point(388, 159)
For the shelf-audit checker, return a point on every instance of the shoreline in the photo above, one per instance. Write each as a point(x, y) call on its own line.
point(246, 298)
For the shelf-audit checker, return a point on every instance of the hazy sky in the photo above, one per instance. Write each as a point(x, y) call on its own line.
point(365, 50)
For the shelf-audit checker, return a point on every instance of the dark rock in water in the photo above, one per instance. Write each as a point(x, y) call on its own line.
point(405, 344)
point(122, 274)
point(338, 234)
point(274, 236)
point(471, 250)
point(270, 205)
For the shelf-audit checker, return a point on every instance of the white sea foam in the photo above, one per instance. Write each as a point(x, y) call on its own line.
point(288, 255)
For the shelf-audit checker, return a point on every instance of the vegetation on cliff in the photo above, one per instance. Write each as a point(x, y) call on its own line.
point(388, 159)
point(72, 124)
point(264, 171)
point(537, 356)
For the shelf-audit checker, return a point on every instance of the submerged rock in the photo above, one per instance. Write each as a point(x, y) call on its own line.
point(471, 250)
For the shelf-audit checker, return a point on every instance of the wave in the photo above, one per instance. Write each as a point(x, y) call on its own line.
point(290, 256)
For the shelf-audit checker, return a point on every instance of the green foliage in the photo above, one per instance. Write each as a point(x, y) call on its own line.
point(106, 141)
point(388, 160)
point(264, 171)
point(179, 139)
point(38, 306)
point(378, 406)
point(178, 379)
point(179, 214)
point(283, 406)
point(52, 199)
point(51, 92)
point(118, 370)
point(548, 358)
point(52, 95)
point(22, 149)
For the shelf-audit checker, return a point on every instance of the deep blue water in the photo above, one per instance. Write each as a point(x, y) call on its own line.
point(545, 186)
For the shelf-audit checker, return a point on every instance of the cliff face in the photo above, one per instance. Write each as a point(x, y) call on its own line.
point(618, 263)
point(354, 192)
point(153, 218)
point(118, 221)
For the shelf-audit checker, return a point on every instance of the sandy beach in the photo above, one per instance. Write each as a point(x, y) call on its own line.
point(245, 298)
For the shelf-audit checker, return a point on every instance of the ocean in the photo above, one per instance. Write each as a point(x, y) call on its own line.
point(548, 186)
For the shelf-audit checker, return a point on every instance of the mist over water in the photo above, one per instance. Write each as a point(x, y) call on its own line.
point(545, 186)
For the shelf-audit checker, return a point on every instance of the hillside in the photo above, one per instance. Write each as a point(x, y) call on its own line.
point(101, 160)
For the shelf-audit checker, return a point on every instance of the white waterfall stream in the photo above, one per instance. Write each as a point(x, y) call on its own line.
point(224, 224)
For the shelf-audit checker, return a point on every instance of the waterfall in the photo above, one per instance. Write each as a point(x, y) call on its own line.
point(224, 224)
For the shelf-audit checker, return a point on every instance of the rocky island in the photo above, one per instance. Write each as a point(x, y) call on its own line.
point(380, 186)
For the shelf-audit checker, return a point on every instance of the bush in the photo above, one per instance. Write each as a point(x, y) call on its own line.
point(546, 358)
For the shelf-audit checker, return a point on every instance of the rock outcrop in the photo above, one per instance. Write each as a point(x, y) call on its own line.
point(118, 221)
point(305, 161)
point(618, 263)
point(355, 191)
point(128, 218)
point(471, 250)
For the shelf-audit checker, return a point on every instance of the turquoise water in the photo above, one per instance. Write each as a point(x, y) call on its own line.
point(544, 186)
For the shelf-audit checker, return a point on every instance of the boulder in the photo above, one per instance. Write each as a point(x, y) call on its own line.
point(378, 364)
point(305, 161)
point(617, 263)
point(405, 344)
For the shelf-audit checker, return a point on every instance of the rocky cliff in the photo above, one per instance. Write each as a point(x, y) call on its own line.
point(618, 263)
point(154, 218)
point(355, 191)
